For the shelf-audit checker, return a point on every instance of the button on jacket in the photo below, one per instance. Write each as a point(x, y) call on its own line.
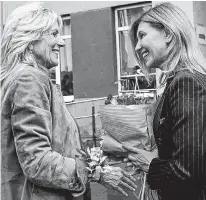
point(180, 131)
point(38, 140)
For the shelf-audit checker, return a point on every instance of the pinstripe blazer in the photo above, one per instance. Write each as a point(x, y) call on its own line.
point(180, 132)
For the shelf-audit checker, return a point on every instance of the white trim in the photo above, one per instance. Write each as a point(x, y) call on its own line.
point(65, 17)
point(117, 51)
point(68, 98)
point(134, 6)
point(123, 28)
point(141, 90)
point(136, 75)
point(58, 69)
point(87, 116)
point(89, 100)
point(58, 74)
point(64, 37)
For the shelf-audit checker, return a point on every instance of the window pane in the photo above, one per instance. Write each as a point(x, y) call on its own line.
point(66, 73)
point(53, 74)
point(127, 59)
point(66, 29)
point(126, 16)
point(131, 76)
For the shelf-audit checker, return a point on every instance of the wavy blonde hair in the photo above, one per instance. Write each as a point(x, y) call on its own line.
point(183, 50)
point(25, 25)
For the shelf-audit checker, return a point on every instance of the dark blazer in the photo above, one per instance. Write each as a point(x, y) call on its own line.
point(180, 132)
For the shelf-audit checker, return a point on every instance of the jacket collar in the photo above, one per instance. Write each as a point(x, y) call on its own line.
point(45, 70)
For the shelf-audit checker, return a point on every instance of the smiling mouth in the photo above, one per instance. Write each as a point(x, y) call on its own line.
point(55, 51)
point(145, 54)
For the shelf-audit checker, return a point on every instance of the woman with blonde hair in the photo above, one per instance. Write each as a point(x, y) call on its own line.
point(164, 38)
point(39, 137)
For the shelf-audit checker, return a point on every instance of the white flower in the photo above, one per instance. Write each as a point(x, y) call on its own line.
point(95, 157)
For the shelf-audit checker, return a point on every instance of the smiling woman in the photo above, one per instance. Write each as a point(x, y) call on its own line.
point(39, 137)
point(151, 44)
point(46, 50)
point(164, 38)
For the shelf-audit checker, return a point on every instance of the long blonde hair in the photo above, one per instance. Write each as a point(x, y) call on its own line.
point(183, 50)
point(25, 25)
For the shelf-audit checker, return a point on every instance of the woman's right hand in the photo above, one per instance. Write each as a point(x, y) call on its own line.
point(116, 178)
point(140, 158)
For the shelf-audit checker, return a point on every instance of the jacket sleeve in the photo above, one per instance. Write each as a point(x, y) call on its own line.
point(32, 129)
point(187, 104)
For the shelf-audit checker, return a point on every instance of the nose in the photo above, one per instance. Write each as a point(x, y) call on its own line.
point(138, 46)
point(60, 41)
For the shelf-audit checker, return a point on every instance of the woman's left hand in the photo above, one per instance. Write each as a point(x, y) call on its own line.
point(140, 158)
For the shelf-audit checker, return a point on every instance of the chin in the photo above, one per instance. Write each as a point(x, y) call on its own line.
point(148, 65)
point(54, 64)
point(151, 65)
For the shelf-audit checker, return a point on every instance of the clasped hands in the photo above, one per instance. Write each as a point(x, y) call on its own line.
point(118, 179)
point(140, 158)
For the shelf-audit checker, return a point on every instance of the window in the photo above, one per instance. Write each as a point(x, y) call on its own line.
point(63, 73)
point(130, 77)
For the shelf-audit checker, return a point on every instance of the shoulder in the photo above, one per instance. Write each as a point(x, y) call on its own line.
point(26, 73)
point(188, 80)
point(37, 74)
point(185, 88)
point(27, 77)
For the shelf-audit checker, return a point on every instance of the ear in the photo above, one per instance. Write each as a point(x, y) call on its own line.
point(168, 35)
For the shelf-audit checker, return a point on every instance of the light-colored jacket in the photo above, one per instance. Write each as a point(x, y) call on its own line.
point(38, 140)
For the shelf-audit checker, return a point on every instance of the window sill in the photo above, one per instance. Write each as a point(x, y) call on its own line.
point(68, 98)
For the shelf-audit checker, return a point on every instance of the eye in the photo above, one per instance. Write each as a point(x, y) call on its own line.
point(55, 33)
point(142, 35)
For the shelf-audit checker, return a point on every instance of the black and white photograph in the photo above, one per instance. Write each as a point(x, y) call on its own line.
point(103, 100)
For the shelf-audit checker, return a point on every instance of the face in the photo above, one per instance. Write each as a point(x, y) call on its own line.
point(151, 45)
point(47, 49)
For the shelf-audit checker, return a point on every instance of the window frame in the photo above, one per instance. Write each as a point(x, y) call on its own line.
point(118, 51)
point(69, 98)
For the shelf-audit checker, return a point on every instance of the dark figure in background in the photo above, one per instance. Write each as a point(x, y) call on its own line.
point(142, 82)
point(67, 84)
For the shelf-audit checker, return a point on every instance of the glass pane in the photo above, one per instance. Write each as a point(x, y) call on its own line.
point(53, 74)
point(126, 16)
point(137, 83)
point(127, 59)
point(66, 73)
point(66, 29)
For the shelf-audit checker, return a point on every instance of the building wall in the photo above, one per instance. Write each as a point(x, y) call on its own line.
point(93, 45)
point(94, 55)
point(65, 7)
point(93, 42)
